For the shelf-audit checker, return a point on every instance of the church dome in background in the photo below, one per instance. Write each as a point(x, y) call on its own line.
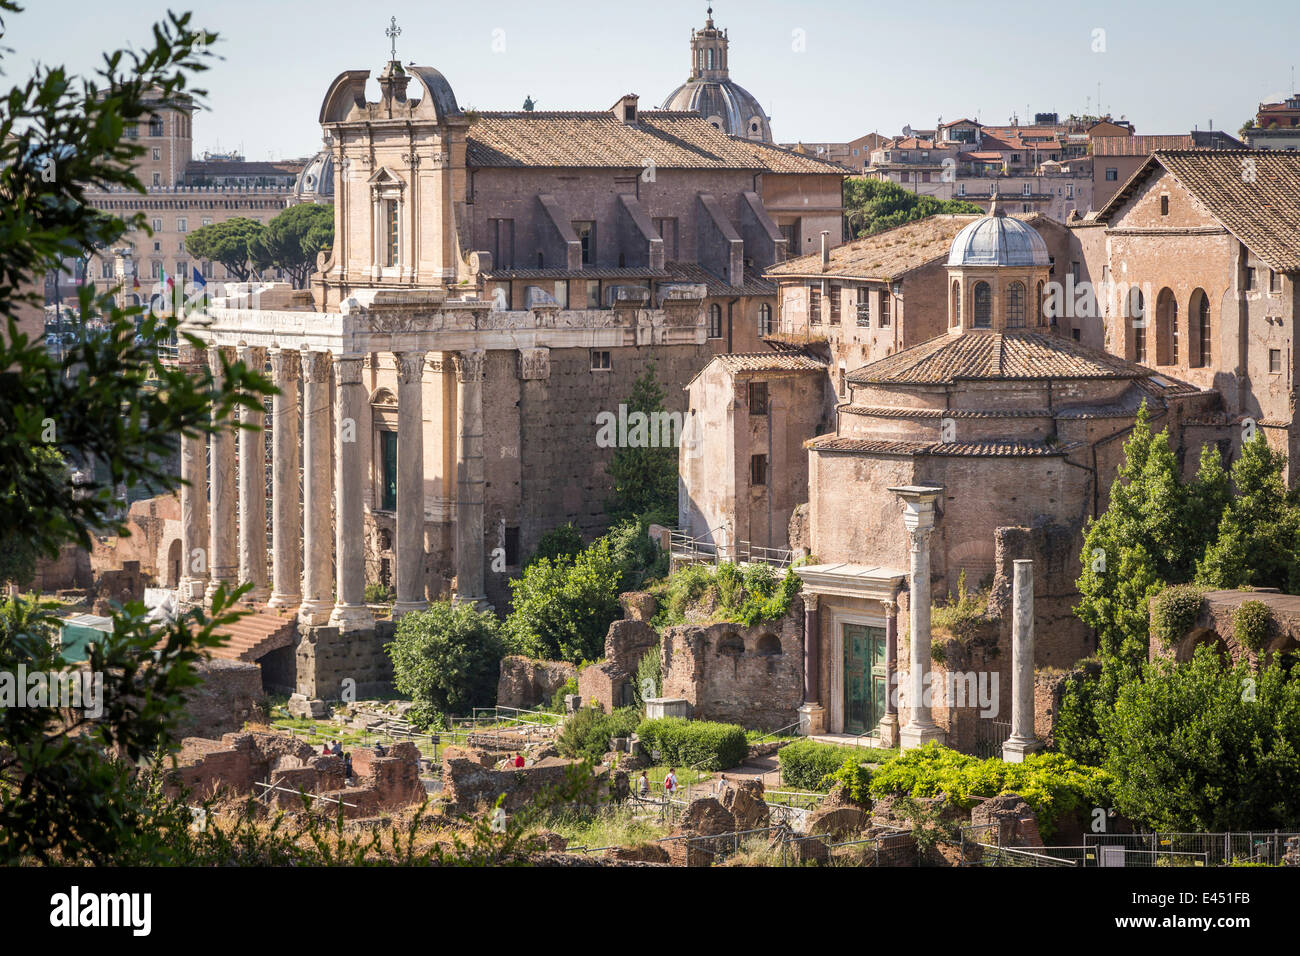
point(711, 92)
point(998, 240)
point(316, 181)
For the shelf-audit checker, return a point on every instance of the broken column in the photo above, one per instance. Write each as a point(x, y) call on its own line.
point(918, 518)
point(889, 722)
point(1022, 740)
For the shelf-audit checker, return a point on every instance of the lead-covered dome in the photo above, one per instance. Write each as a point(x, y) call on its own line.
point(711, 93)
point(998, 240)
point(316, 181)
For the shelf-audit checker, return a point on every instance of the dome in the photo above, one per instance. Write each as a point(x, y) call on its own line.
point(711, 93)
point(729, 106)
point(998, 240)
point(316, 181)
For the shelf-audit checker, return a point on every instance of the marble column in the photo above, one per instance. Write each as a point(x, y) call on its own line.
point(889, 722)
point(286, 521)
point(470, 480)
point(410, 483)
point(194, 500)
point(252, 488)
point(318, 535)
point(352, 428)
point(918, 518)
point(1022, 740)
point(222, 561)
point(812, 715)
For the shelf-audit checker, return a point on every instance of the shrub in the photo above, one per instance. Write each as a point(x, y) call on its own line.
point(855, 778)
point(960, 614)
point(648, 669)
point(569, 687)
point(558, 544)
point(1174, 611)
point(588, 732)
point(694, 743)
point(726, 593)
point(1053, 785)
point(447, 657)
point(806, 764)
point(1252, 623)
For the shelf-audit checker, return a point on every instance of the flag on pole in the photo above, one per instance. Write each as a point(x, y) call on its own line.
point(198, 278)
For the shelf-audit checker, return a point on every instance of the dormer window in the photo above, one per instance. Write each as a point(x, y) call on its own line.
point(629, 113)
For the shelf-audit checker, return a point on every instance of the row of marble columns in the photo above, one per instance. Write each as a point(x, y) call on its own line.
point(300, 528)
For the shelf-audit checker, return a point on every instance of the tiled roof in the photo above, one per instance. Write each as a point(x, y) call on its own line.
point(770, 362)
point(973, 449)
point(1261, 209)
point(885, 255)
point(898, 411)
point(588, 272)
point(778, 159)
point(692, 272)
point(1138, 145)
point(668, 139)
point(995, 356)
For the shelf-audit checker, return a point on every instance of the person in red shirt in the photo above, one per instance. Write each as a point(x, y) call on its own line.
point(519, 761)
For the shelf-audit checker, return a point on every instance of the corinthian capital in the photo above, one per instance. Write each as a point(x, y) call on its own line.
point(410, 367)
point(469, 365)
point(284, 364)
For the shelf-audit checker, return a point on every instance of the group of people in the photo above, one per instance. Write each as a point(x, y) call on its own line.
point(669, 784)
point(334, 748)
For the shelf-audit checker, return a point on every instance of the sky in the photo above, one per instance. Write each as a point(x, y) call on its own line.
point(825, 72)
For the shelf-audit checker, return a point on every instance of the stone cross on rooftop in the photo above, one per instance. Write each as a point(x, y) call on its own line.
point(393, 32)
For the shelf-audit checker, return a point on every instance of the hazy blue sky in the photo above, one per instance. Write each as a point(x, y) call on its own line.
point(1167, 65)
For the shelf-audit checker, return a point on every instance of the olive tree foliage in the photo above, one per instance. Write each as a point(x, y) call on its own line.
point(66, 792)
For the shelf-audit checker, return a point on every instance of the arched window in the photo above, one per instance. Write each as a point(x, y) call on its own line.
point(956, 302)
point(710, 59)
point(155, 126)
point(1202, 352)
point(769, 645)
point(764, 319)
point(1137, 314)
point(715, 321)
point(983, 306)
point(1038, 306)
point(1016, 306)
point(1166, 328)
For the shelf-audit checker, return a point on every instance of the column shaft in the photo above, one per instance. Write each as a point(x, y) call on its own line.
point(812, 657)
point(410, 483)
point(252, 489)
point(286, 521)
point(919, 621)
point(318, 535)
point(1022, 740)
point(194, 501)
point(350, 611)
point(222, 562)
point(470, 481)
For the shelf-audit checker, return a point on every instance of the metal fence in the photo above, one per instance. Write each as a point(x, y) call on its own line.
point(990, 735)
point(981, 847)
point(685, 549)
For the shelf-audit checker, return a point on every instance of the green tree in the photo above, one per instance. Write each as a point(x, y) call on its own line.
point(447, 657)
point(564, 541)
point(292, 239)
point(874, 205)
point(645, 478)
point(1259, 533)
point(561, 609)
point(1133, 548)
point(66, 791)
point(236, 243)
point(1203, 746)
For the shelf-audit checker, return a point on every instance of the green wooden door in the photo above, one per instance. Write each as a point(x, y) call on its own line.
point(389, 440)
point(864, 677)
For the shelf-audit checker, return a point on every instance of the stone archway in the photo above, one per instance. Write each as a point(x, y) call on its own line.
point(171, 570)
point(1186, 648)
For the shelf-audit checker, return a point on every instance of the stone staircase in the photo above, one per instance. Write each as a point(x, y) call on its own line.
point(255, 635)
